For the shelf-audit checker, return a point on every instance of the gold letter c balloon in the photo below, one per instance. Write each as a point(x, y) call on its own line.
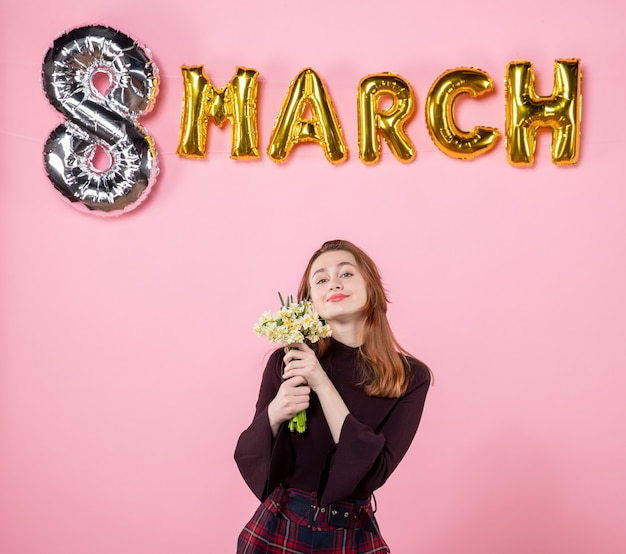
point(440, 119)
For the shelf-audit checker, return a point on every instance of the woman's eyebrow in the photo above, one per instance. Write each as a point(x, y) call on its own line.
point(322, 269)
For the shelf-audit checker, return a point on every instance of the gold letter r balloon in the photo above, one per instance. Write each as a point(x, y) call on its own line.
point(389, 122)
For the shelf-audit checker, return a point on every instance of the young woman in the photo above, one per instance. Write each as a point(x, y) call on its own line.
point(364, 397)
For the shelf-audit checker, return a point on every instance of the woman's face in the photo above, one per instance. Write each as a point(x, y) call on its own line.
point(338, 289)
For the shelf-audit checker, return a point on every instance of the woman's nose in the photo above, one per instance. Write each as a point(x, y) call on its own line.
point(334, 284)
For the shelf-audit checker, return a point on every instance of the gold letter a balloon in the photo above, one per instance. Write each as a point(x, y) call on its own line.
point(291, 127)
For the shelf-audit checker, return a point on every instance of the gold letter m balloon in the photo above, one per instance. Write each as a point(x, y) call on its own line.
point(235, 102)
point(526, 112)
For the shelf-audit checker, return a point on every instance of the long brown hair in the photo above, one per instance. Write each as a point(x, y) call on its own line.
point(383, 364)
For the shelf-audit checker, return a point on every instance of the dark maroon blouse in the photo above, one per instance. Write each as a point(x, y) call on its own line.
point(374, 438)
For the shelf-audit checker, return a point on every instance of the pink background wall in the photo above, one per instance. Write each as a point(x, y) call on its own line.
point(128, 365)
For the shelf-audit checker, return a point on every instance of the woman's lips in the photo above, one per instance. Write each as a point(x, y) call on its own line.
point(337, 297)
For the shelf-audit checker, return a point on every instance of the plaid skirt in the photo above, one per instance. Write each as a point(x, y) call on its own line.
point(290, 521)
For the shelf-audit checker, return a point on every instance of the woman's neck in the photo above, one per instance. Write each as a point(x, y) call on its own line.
point(349, 334)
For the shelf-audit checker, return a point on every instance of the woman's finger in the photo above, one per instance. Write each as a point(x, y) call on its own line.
point(293, 380)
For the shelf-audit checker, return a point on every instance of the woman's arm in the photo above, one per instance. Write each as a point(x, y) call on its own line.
point(302, 363)
point(334, 408)
point(364, 458)
point(259, 462)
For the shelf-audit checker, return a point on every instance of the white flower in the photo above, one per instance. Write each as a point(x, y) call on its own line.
point(294, 322)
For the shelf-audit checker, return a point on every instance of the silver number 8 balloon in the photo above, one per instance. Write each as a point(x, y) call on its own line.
point(105, 120)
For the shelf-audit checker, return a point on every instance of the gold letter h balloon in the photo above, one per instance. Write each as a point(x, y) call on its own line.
point(526, 112)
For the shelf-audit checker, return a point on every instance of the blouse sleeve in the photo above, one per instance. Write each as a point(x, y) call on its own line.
point(364, 458)
point(262, 460)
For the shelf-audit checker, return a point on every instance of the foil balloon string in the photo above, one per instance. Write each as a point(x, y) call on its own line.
point(96, 119)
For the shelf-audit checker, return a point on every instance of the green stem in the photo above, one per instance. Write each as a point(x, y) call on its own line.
point(298, 422)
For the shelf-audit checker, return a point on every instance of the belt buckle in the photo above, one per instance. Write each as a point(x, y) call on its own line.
point(313, 515)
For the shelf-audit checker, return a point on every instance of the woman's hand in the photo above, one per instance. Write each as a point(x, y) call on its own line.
point(292, 397)
point(301, 361)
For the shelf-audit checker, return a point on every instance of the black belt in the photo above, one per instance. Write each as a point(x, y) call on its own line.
point(349, 514)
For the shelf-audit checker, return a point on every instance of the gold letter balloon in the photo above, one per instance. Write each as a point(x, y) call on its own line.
point(389, 122)
point(526, 112)
point(235, 102)
point(440, 120)
point(291, 127)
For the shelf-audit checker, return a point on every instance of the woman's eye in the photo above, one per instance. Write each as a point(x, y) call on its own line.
point(347, 274)
point(321, 281)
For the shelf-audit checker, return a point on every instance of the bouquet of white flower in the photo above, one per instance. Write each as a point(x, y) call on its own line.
point(294, 322)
